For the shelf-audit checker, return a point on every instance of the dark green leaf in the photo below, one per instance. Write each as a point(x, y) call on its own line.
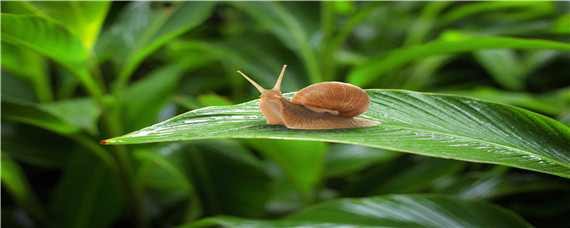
point(145, 98)
point(288, 28)
point(33, 115)
point(228, 178)
point(302, 161)
point(34, 70)
point(378, 65)
point(386, 211)
point(403, 175)
point(47, 150)
point(87, 195)
point(144, 27)
point(16, 184)
point(504, 66)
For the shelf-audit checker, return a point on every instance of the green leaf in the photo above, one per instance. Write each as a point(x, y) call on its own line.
point(429, 124)
point(17, 88)
point(33, 115)
point(504, 66)
point(562, 24)
point(48, 150)
point(53, 41)
point(372, 69)
point(520, 9)
point(65, 116)
point(35, 70)
point(154, 89)
point(87, 195)
point(82, 18)
point(302, 160)
point(16, 184)
point(163, 174)
point(403, 175)
point(288, 27)
point(520, 99)
point(228, 178)
point(386, 211)
point(143, 27)
point(81, 112)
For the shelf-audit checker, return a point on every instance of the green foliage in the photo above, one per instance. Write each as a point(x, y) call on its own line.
point(386, 211)
point(481, 141)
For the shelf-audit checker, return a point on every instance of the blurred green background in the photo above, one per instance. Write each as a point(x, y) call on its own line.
point(74, 73)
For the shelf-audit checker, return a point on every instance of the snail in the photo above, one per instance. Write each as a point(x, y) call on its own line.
point(325, 105)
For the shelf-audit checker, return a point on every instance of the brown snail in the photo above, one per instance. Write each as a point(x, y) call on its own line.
point(326, 105)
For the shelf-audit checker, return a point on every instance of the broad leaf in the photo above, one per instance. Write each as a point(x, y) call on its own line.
point(82, 18)
point(386, 211)
point(51, 40)
point(428, 124)
point(372, 69)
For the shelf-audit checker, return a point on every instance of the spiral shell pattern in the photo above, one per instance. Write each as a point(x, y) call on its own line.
point(349, 100)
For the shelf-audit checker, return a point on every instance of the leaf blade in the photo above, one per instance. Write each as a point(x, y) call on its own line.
point(428, 124)
point(387, 211)
point(53, 41)
point(372, 69)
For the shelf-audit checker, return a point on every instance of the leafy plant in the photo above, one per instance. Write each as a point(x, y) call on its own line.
point(482, 140)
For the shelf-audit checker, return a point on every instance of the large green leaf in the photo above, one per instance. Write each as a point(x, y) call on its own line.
point(372, 69)
point(428, 124)
point(82, 18)
point(386, 211)
point(52, 40)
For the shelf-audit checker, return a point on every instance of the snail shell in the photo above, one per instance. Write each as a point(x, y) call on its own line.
point(326, 105)
point(340, 98)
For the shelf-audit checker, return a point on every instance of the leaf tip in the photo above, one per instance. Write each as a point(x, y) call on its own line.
point(103, 142)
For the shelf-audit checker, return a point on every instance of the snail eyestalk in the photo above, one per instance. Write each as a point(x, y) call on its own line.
point(278, 83)
point(261, 89)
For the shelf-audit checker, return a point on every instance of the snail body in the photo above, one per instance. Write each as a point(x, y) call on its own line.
point(326, 105)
